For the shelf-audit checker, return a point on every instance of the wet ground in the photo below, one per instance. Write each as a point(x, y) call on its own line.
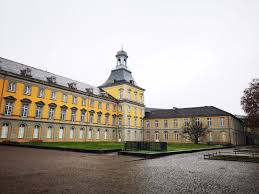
point(27, 170)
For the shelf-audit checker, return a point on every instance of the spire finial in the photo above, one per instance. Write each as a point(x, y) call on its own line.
point(122, 47)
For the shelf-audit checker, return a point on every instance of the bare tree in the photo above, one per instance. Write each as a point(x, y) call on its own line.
point(250, 104)
point(194, 130)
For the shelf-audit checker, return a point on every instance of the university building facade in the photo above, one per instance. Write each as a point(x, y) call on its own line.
point(39, 105)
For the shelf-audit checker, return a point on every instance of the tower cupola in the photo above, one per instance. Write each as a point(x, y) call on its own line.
point(121, 57)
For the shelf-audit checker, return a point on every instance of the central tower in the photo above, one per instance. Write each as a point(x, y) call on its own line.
point(130, 96)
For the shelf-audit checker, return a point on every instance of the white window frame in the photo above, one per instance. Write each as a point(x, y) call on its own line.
point(36, 131)
point(4, 130)
point(11, 86)
point(27, 90)
point(25, 110)
point(61, 133)
point(21, 131)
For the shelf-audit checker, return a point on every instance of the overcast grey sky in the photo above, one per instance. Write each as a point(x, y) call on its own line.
point(184, 53)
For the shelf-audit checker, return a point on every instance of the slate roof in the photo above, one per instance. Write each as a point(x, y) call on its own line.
point(15, 67)
point(119, 75)
point(151, 113)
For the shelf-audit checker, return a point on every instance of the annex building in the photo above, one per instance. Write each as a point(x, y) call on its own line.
point(39, 105)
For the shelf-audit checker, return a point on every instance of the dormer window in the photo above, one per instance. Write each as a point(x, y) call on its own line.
point(26, 72)
point(72, 85)
point(52, 79)
point(89, 90)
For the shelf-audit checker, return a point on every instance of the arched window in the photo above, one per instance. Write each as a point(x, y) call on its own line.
point(49, 132)
point(36, 131)
point(4, 132)
point(166, 135)
point(81, 132)
point(90, 131)
point(72, 131)
point(157, 136)
point(98, 134)
point(61, 133)
point(21, 131)
point(106, 134)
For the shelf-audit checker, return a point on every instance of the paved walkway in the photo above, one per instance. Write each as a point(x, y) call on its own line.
point(27, 170)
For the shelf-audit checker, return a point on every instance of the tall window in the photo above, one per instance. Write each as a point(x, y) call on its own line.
point(166, 135)
point(63, 114)
point(114, 107)
point(4, 131)
point(11, 86)
point(165, 124)
point(64, 98)
point(135, 122)
point(106, 119)
point(53, 95)
point(120, 108)
point(61, 133)
point(129, 122)
point(209, 122)
point(148, 124)
point(120, 122)
point(156, 123)
point(38, 114)
point(25, 110)
point(81, 133)
point(74, 101)
point(135, 96)
point(72, 131)
point(107, 106)
point(92, 103)
point(121, 94)
point(73, 115)
point(27, 90)
point(91, 118)
point(90, 131)
point(100, 105)
point(98, 134)
point(99, 119)
point(197, 122)
point(222, 121)
point(8, 107)
point(82, 117)
point(135, 111)
point(141, 99)
point(51, 112)
point(114, 120)
point(129, 109)
point(176, 136)
point(186, 123)
point(106, 134)
point(83, 101)
point(49, 132)
point(156, 136)
point(175, 123)
point(129, 95)
point(21, 131)
point(41, 93)
point(36, 131)
point(141, 123)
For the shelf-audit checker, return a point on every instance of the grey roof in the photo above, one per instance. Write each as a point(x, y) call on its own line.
point(119, 75)
point(14, 67)
point(185, 112)
point(122, 52)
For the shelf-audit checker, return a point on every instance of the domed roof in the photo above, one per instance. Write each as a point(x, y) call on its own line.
point(121, 52)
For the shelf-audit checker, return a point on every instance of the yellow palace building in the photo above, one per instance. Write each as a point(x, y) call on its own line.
point(39, 105)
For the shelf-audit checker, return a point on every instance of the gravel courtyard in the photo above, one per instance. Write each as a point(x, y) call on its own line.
point(27, 170)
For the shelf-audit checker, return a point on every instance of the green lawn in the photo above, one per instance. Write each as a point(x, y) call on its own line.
point(236, 158)
point(188, 146)
point(80, 145)
point(115, 145)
